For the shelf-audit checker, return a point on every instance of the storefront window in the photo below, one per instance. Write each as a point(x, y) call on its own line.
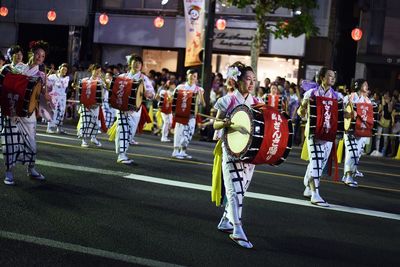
point(268, 67)
point(158, 59)
point(136, 4)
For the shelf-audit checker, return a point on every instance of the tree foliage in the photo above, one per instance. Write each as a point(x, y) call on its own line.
point(284, 27)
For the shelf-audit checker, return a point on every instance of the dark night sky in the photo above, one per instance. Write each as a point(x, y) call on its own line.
point(55, 35)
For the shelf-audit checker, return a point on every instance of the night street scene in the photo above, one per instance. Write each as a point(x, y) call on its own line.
point(200, 133)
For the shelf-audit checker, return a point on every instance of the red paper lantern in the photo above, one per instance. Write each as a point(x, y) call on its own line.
point(103, 19)
point(3, 11)
point(220, 24)
point(158, 22)
point(356, 34)
point(51, 15)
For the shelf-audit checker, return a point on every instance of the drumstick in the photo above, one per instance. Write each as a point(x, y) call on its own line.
point(213, 118)
point(210, 117)
point(207, 116)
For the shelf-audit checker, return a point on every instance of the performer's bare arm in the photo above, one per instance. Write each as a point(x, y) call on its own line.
point(202, 101)
point(221, 121)
point(302, 110)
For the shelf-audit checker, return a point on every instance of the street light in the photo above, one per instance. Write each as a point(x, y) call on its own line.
point(297, 11)
point(51, 15)
point(3, 11)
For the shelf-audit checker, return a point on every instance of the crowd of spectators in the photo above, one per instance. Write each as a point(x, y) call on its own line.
point(388, 102)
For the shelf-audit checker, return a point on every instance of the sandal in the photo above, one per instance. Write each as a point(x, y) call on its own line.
point(320, 203)
point(241, 242)
point(125, 161)
point(351, 184)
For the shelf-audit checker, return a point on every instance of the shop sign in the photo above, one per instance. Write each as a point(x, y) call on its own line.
point(236, 39)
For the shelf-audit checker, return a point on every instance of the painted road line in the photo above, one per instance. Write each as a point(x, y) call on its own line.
point(286, 200)
point(168, 182)
point(82, 249)
point(286, 175)
point(289, 160)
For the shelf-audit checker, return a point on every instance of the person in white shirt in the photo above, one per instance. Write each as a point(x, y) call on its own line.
point(166, 94)
point(18, 136)
point(184, 132)
point(318, 149)
point(128, 121)
point(89, 116)
point(57, 85)
point(237, 174)
point(353, 144)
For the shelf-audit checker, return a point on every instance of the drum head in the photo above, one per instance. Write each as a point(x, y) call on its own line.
point(236, 141)
point(347, 121)
point(33, 103)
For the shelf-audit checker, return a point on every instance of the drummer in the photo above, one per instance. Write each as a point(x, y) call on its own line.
point(89, 116)
point(274, 98)
point(184, 132)
point(15, 54)
point(57, 85)
point(319, 150)
point(237, 175)
point(354, 145)
point(18, 136)
point(127, 121)
point(166, 95)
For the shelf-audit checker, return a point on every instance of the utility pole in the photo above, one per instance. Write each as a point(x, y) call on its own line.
point(207, 55)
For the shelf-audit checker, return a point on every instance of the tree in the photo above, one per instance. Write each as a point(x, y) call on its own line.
point(300, 23)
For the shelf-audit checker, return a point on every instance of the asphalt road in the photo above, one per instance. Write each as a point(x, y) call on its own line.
point(92, 211)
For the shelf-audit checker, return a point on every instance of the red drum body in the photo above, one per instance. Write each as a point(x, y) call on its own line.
point(91, 93)
point(326, 118)
point(274, 101)
point(165, 103)
point(126, 94)
point(184, 105)
point(269, 137)
point(365, 124)
point(19, 93)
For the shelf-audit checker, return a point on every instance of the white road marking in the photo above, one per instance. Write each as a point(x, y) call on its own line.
point(168, 182)
point(82, 249)
point(267, 197)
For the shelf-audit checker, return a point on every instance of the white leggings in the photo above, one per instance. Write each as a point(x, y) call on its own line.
point(237, 177)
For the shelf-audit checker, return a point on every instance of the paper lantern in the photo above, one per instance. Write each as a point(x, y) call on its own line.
point(3, 11)
point(220, 24)
point(356, 34)
point(158, 22)
point(51, 15)
point(103, 19)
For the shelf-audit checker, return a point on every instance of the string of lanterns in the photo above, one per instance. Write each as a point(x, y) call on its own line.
point(104, 19)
